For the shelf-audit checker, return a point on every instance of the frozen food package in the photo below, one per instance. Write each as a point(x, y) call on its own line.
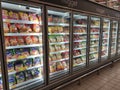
point(9, 54)
point(23, 16)
point(7, 41)
point(59, 66)
point(13, 41)
point(11, 15)
point(6, 27)
point(24, 52)
point(12, 80)
point(1, 84)
point(34, 51)
point(35, 39)
point(4, 14)
point(13, 28)
point(19, 66)
point(28, 75)
point(10, 66)
point(36, 28)
point(20, 41)
point(33, 17)
point(28, 40)
point(36, 72)
point(20, 77)
point(27, 63)
point(36, 61)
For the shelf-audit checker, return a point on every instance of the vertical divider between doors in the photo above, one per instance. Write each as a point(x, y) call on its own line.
point(117, 39)
point(2, 55)
point(46, 46)
point(88, 41)
point(71, 43)
point(100, 40)
point(110, 41)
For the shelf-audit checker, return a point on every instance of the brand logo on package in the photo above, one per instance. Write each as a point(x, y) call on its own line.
point(70, 3)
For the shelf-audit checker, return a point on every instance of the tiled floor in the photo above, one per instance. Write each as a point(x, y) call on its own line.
point(108, 79)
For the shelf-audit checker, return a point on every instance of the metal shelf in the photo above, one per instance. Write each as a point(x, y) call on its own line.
point(93, 52)
point(59, 43)
point(95, 46)
point(22, 34)
point(94, 39)
point(58, 24)
point(14, 72)
point(59, 52)
point(21, 21)
point(24, 46)
point(93, 60)
point(78, 25)
point(65, 59)
point(79, 48)
point(80, 33)
point(58, 33)
point(94, 33)
point(95, 26)
point(79, 56)
point(33, 56)
point(79, 40)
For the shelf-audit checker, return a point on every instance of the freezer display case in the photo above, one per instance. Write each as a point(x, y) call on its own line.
point(79, 40)
point(22, 27)
point(105, 39)
point(58, 39)
point(94, 40)
point(114, 38)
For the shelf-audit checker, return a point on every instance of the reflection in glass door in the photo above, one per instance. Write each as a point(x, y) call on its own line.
point(94, 40)
point(58, 37)
point(79, 41)
point(114, 38)
point(105, 39)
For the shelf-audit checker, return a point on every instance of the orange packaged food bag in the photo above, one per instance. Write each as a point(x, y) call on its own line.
point(36, 28)
point(28, 40)
point(5, 27)
point(35, 39)
point(13, 41)
point(13, 28)
point(33, 17)
point(20, 40)
point(7, 42)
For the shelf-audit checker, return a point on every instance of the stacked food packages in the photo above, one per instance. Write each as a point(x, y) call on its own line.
point(79, 38)
point(58, 34)
point(94, 39)
point(23, 44)
point(114, 37)
point(105, 37)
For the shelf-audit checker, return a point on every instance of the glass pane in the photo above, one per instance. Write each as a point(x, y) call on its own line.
point(105, 41)
point(118, 42)
point(94, 40)
point(79, 41)
point(23, 42)
point(114, 38)
point(58, 34)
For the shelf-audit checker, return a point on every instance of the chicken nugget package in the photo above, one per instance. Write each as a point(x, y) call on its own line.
point(28, 40)
point(20, 77)
point(27, 63)
point(12, 80)
point(34, 50)
point(13, 41)
point(10, 66)
point(28, 74)
point(19, 66)
point(36, 61)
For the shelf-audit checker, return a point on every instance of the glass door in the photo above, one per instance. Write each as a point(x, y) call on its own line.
point(114, 38)
point(23, 45)
point(94, 40)
point(58, 37)
point(118, 50)
point(79, 41)
point(1, 81)
point(105, 38)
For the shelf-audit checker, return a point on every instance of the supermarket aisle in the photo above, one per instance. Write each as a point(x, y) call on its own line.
point(109, 79)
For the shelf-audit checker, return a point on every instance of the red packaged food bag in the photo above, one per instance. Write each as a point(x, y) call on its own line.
point(33, 17)
point(20, 40)
point(5, 27)
point(4, 14)
point(28, 40)
point(15, 16)
point(36, 28)
point(13, 41)
point(7, 42)
point(13, 28)
point(35, 39)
